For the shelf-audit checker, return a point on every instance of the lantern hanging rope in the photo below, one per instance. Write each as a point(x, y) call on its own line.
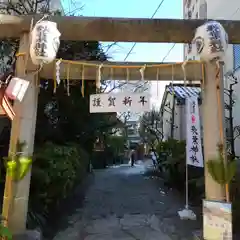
point(220, 113)
point(83, 75)
point(68, 76)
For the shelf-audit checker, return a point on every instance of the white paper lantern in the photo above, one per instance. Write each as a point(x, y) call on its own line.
point(17, 88)
point(211, 41)
point(44, 42)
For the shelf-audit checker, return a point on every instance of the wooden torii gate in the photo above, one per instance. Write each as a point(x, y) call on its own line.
point(108, 29)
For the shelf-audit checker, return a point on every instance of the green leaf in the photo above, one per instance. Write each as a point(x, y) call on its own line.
point(4, 232)
point(216, 170)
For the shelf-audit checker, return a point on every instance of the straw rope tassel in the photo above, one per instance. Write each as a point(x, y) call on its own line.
point(173, 92)
point(157, 78)
point(142, 72)
point(83, 76)
point(55, 80)
point(99, 77)
point(220, 120)
point(184, 72)
point(68, 76)
point(111, 77)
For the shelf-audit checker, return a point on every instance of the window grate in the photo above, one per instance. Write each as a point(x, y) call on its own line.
point(236, 56)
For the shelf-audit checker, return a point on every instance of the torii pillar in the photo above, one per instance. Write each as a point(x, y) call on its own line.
point(211, 128)
point(16, 194)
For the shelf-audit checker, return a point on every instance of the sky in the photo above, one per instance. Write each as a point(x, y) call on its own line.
point(143, 52)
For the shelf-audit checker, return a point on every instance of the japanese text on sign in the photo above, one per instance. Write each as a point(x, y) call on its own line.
point(41, 43)
point(119, 102)
point(194, 145)
point(214, 33)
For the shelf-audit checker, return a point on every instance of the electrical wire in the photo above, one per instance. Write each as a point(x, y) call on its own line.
point(169, 51)
point(134, 45)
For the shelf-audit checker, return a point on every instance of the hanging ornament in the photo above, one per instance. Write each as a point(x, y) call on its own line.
point(44, 42)
point(99, 77)
point(18, 172)
point(211, 41)
point(58, 79)
point(142, 72)
point(17, 88)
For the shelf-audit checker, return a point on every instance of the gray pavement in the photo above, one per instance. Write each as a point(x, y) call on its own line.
point(124, 204)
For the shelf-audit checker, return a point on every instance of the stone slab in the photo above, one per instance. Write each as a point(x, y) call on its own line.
point(108, 237)
point(198, 235)
point(129, 221)
point(29, 235)
point(103, 225)
point(146, 233)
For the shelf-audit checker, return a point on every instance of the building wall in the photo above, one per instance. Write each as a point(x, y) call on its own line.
point(177, 122)
point(56, 5)
point(232, 59)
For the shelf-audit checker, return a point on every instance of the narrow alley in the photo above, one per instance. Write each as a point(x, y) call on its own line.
point(123, 203)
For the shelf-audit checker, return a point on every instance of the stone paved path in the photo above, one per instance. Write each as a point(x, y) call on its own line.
point(123, 204)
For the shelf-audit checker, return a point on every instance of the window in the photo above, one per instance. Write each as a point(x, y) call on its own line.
point(189, 48)
point(236, 56)
point(203, 11)
point(131, 131)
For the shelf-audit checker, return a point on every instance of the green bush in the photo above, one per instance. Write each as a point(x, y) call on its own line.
point(172, 165)
point(116, 146)
point(56, 170)
point(113, 152)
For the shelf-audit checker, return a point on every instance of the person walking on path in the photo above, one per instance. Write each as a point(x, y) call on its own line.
point(154, 158)
point(132, 157)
